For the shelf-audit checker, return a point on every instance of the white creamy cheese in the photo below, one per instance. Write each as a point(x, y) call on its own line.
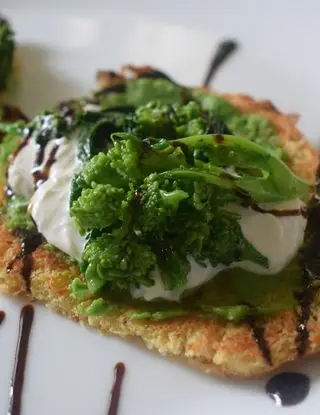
point(276, 237)
point(20, 177)
point(92, 108)
point(19, 172)
point(197, 276)
point(49, 205)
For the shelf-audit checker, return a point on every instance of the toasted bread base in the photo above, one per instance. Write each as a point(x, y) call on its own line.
point(211, 346)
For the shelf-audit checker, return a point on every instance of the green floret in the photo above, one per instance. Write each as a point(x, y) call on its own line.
point(170, 121)
point(121, 262)
point(157, 205)
point(124, 156)
point(140, 92)
point(251, 126)
point(99, 170)
point(118, 165)
point(188, 231)
point(99, 207)
point(7, 47)
point(207, 198)
point(226, 243)
point(257, 129)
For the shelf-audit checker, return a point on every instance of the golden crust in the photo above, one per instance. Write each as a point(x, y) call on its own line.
point(212, 346)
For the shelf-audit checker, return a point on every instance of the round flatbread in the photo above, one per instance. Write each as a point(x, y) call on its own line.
point(213, 346)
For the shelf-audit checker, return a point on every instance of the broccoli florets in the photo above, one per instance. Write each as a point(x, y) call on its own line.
point(120, 262)
point(170, 121)
point(7, 47)
point(99, 207)
point(118, 166)
point(155, 202)
point(158, 204)
point(226, 243)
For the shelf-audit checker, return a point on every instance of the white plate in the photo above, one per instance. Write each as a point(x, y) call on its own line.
point(61, 44)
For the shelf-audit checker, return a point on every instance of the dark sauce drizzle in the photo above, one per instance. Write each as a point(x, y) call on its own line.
point(288, 388)
point(2, 316)
point(16, 385)
point(305, 299)
point(115, 394)
point(257, 332)
point(28, 245)
point(224, 50)
point(276, 212)
point(41, 175)
point(310, 270)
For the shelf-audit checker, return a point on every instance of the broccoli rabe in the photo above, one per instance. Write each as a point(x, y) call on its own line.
point(169, 121)
point(118, 262)
point(231, 246)
point(94, 132)
point(99, 207)
point(251, 126)
point(158, 204)
point(7, 47)
point(165, 199)
point(140, 92)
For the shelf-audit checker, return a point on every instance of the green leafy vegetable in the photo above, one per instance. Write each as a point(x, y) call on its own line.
point(155, 202)
point(158, 204)
point(170, 120)
point(153, 192)
point(141, 91)
point(252, 126)
point(7, 47)
point(16, 215)
point(256, 171)
point(122, 262)
point(232, 245)
point(99, 207)
point(95, 130)
point(232, 295)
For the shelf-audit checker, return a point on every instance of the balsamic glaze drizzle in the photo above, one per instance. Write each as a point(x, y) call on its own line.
point(257, 332)
point(288, 388)
point(41, 175)
point(305, 299)
point(247, 202)
point(16, 385)
point(115, 394)
point(224, 50)
point(310, 270)
point(2, 316)
point(28, 245)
